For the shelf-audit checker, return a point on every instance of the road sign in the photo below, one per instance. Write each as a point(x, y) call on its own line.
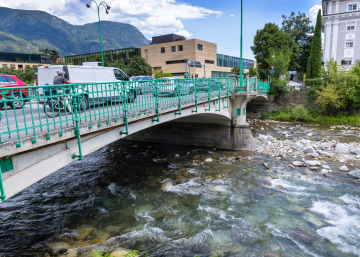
point(272, 67)
point(272, 71)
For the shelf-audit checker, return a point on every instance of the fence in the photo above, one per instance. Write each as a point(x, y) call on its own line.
point(30, 111)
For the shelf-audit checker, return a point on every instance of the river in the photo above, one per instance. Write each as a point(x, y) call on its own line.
point(168, 200)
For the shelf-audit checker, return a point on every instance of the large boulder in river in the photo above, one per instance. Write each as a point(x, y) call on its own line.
point(120, 252)
point(355, 173)
point(342, 148)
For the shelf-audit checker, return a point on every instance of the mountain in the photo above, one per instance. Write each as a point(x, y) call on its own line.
point(10, 43)
point(43, 30)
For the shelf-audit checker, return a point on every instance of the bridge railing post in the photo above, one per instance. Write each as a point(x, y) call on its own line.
point(248, 85)
point(256, 83)
point(157, 101)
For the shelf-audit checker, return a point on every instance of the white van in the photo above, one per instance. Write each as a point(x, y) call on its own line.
point(105, 77)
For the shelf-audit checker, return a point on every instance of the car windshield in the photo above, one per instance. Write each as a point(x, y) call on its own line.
point(135, 78)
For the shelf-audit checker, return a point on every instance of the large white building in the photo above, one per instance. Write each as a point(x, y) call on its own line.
point(341, 25)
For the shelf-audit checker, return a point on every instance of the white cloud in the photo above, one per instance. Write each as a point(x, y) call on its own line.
point(232, 15)
point(150, 16)
point(314, 11)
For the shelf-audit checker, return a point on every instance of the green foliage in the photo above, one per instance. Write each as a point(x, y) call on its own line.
point(314, 63)
point(279, 81)
point(298, 26)
point(51, 54)
point(236, 71)
point(138, 66)
point(267, 40)
point(161, 74)
point(253, 72)
point(26, 75)
point(10, 43)
point(43, 30)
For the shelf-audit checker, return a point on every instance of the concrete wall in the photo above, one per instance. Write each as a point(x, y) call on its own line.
point(254, 108)
point(195, 134)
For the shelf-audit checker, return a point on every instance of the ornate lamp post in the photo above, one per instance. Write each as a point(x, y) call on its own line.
point(241, 46)
point(107, 8)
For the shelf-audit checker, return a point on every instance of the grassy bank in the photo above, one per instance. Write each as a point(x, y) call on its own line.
point(299, 113)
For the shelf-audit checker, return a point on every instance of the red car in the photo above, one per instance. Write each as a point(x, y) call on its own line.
point(9, 81)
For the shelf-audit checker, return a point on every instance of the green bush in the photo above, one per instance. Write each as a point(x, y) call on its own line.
point(300, 113)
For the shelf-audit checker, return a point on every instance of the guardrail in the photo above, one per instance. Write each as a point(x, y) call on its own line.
point(32, 110)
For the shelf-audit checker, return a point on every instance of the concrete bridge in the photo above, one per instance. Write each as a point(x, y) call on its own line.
point(40, 138)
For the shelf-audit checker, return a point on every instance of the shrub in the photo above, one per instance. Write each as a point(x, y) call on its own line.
point(300, 113)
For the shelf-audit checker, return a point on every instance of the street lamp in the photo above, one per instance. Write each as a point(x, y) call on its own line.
point(241, 46)
point(107, 8)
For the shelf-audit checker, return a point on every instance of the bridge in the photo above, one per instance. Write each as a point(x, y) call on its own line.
point(40, 135)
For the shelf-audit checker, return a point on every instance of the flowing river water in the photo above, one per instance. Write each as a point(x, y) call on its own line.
point(168, 200)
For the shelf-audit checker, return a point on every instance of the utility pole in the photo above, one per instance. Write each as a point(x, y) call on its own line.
point(241, 46)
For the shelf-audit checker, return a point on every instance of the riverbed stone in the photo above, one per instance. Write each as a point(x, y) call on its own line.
point(344, 168)
point(119, 252)
point(308, 149)
point(313, 168)
point(324, 171)
point(83, 231)
point(313, 163)
point(208, 160)
point(355, 173)
point(166, 186)
point(341, 148)
point(58, 246)
point(263, 138)
point(297, 163)
point(304, 236)
point(325, 166)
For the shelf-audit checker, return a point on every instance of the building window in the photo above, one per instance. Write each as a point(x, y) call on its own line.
point(209, 61)
point(20, 66)
point(173, 49)
point(178, 74)
point(180, 48)
point(199, 47)
point(352, 7)
point(349, 44)
point(4, 65)
point(12, 66)
point(347, 62)
point(162, 50)
point(176, 61)
point(350, 27)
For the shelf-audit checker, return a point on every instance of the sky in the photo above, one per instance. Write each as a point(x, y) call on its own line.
point(209, 20)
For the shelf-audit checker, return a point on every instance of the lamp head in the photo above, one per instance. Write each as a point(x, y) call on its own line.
point(88, 5)
point(108, 7)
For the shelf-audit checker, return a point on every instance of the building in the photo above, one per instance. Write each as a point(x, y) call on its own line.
point(171, 53)
point(19, 60)
point(112, 55)
point(341, 25)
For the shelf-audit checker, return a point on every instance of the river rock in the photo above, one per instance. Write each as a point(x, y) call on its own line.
point(313, 168)
point(344, 168)
point(355, 173)
point(266, 165)
point(324, 172)
point(291, 166)
point(304, 236)
point(342, 148)
point(310, 134)
point(315, 155)
point(325, 167)
point(217, 189)
point(83, 231)
point(355, 151)
point(308, 149)
point(313, 163)
point(297, 163)
point(166, 186)
point(119, 252)
point(58, 246)
point(263, 138)
point(208, 160)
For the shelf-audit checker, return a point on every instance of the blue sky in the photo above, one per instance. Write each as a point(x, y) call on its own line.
point(209, 20)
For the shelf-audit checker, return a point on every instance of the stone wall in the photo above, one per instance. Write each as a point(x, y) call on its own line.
point(254, 108)
point(198, 134)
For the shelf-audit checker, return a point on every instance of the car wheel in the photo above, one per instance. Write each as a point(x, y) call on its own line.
point(16, 102)
point(191, 91)
point(176, 94)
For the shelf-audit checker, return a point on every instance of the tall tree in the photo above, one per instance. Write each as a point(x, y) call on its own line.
point(267, 40)
point(139, 67)
point(298, 26)
point(252, 71)
point(314, 63)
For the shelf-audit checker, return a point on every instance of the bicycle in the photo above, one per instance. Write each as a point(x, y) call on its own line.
point(54, 105)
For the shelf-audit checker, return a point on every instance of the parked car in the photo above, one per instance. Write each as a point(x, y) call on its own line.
point(104, 77)
point(144, 84)
point(9, 81)
point(169, 86)
point(214, 85)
